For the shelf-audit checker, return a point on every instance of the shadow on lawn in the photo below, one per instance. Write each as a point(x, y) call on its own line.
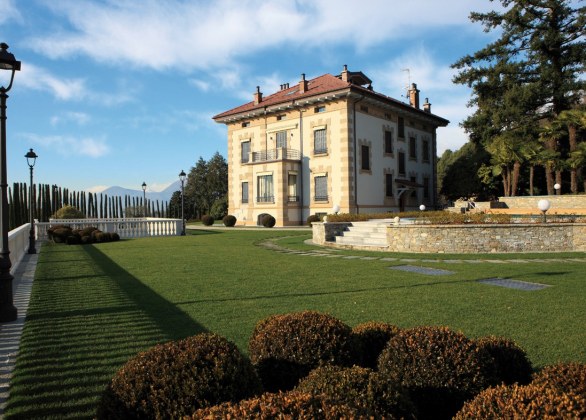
point(81, 329)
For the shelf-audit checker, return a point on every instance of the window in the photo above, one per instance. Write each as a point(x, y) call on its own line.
point(414, 193)
point(281, 117)
point(389, 142)
point(401, 128)
point(244, 151)
point(425, 151)
point(281, 139)
point(245, 192)
point(412, 148)
point(401, 158)
point(321, 188)
point(245, 124)
point(365, 158)
point(320, 144)
point(292, 186)
point(319, 109)
point(426, 187)
point(389, 185)
point(265, 189)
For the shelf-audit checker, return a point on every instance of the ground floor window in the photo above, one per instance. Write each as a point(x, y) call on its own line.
point(321, 188)
point(265, 189)
point(245, 192)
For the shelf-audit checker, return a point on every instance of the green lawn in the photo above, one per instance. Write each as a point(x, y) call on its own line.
point(95, 306)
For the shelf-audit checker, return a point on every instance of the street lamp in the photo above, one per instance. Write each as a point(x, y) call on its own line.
point(8, 311)
point(543, 205)
point(31, 158)
point(182, 177)
point(144, 198)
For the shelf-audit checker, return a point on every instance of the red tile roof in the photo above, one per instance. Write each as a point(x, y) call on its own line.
point(315, 87)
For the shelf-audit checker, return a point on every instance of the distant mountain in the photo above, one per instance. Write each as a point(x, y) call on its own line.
point(164, 195)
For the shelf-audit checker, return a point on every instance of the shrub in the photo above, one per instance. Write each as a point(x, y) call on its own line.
point(175, 379)
point(59, 233)
point(510, 361)
point(284, 348)
point(313, 218)
point(524, 402)
point(370, 339)
point(87, 231)
point(568, 377)
point(115, 237)
point(68, 212)
point(268, 221)
point(440, 368)
point(219, 208)
point(207, 220)
point(73, 239)
point(229, 220)
point(289, 405)
point(359, 388)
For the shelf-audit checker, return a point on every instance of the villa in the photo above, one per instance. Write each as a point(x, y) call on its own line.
point(327, 144)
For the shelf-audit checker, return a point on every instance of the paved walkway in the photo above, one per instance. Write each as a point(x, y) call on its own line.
point(10, 332)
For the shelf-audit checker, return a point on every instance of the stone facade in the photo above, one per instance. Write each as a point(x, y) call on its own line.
point(471, 239)
point(330, 141)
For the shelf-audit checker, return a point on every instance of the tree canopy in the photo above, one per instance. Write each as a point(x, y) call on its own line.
point(207, 183)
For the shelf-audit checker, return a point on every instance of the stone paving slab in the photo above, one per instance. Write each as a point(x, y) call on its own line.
point(514, 284)
point(422, 270)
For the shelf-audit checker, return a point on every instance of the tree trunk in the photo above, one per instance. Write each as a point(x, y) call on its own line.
point(573, 146)
point(515, 181)
point(531, 174)
point(558, 180)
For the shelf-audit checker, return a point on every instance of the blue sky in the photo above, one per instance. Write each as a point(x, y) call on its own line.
point(117, 92)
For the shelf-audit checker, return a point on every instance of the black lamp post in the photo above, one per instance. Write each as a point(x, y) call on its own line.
point(182, 177)
point(8, 311)
point(31, 158)
point(144, 198)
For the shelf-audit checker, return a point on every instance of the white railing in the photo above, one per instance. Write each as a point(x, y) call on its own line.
point(127, 228)
point(18, 242)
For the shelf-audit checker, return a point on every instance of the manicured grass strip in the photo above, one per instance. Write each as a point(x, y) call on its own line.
point(95, 306)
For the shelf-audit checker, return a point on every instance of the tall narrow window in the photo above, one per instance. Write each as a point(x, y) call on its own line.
point(292, 186)
point(365, 158)
point(281, 139)
point(388, 142)
point(401, 128)
point(265, 189)
point(321, 188)
point(244, 151)
point(426, 187)
point(320, 144)
point(389, 185)
point(412, 148)
point(401, 159)
point(425, 151)
point(245, 192)
point(414, 193)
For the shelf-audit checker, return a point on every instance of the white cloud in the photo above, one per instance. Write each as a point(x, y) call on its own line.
point(69, 145)
point(79, 118)
point(8, 11)
point(204, 35)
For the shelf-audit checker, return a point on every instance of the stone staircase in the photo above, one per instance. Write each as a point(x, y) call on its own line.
point(371, 234)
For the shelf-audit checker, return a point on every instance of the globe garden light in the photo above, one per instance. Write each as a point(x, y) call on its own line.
point(543, 205)
point(8, 311)
point(422, 207)
point(182, 177)
point(557, 187)
point(31, 158)
point(336, 209)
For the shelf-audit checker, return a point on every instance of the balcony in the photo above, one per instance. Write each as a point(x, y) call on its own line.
point(275, 155)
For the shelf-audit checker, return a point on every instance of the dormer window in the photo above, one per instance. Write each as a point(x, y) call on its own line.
point(319, 109)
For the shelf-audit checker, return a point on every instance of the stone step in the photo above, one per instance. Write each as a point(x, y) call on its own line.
point(367, 234)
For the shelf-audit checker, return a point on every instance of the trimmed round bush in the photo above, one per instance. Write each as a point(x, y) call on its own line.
point(568, 377)
point(285, 348)
point(59, 233)
point(359, 388)
point(73, 239)
point(115, 236)
point(289, 405)
point(87, 231)
point(370, 339)
point(68, 212)
point(229, 221)
point(511, 364)
point(175, 379)
point(268, 221)
point(312, 219)
point(207, 220)
point(527, 402)
point(439, 367)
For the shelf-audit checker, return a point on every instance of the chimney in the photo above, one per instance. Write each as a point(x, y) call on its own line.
point(427, 106)
point(345, 73)
point(414, 96)
point(257, 96)
point(302, 84)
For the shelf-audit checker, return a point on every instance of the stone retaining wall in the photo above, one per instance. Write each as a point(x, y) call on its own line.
point(469, 239)
point(557, 201)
